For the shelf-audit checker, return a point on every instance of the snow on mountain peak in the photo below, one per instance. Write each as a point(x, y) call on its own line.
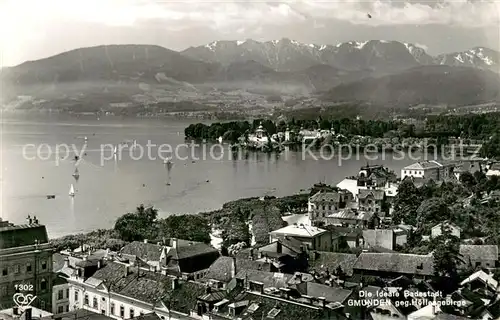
point(211, 46)
point(240, 42)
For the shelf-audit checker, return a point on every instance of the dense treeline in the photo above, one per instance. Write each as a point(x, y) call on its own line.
point(481, 126)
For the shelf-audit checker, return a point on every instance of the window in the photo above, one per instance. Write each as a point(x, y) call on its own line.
point(94, 303)
point(60, 295)
point(60, 309)
point(67, 293)
point(28, 267)
point(141, 313)
point(5, 271)
point(17, 269)
point(76, 296)
point(112, 309)
point(43, 285)
point(122, 311)
point(3, 290)
point(103, 311)
point(86, 301)
point(131, 311)
point(44, 265)
point(67, 308)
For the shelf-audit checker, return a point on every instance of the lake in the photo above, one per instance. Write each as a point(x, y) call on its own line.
point(111, 186)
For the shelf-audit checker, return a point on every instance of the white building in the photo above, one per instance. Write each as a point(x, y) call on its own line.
point(437, 229)
point(420, 169)
point(260, 136)
point(313, 238)
point(494, 170)
point(123, 291)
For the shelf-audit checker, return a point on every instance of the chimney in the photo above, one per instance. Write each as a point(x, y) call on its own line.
point(28, 315)
point(145, 240)
point(35, 220)
point(98, 264)
point(174, 243)
point(127, 271)
point(279, 247)
point(322, 301)
point(175, 283)
point(66, 262)
point(233, 267)
point(28, 220)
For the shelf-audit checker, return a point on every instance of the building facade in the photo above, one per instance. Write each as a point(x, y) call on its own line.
point(25, 263)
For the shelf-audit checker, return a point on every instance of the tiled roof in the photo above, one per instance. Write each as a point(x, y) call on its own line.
point(193, 249)
point(376, 194)
point(411, 264)
point(269, 279)
point(350, 214)
point(292, 244)
point(423, 165)
point(258, 307)
point(22, 235)
point(332, 294)
point(79, 314)
point(148, 286)
point(145, 251)
point(326, 197)
point(220, 270)
point(299, 231)
point(483, 276)
point(332, 260)
point(479, 252)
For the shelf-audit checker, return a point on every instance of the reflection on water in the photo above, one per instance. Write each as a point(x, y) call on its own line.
point(107, 189)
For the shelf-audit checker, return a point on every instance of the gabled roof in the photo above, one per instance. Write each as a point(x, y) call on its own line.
point(145, 251)
point(326, 197)
point(411, 264)
point(332, 294)
point(146, 286)
point(332, 260)
point(269, 279)
point(479, 252)
point(350, 214)
point(376, 194)
point(220, 270)
point(423, 165)
point(299, 231)
point(482, 276)
point(191, 250)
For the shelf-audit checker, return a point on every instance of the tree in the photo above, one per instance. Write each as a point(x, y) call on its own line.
point(446, 253)
point(236, 229)
point(137, 226)
point(187, 227)
point(406, 202)
point(467, 179)
point(432, 211)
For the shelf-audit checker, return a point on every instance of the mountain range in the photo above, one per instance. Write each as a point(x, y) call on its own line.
point(374, 71)
point(380, 55)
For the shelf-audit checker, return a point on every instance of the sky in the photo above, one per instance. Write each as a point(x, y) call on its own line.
point(34, 29)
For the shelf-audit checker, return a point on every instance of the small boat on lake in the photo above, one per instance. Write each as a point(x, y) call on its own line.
point(71, 191)
point(76, 174)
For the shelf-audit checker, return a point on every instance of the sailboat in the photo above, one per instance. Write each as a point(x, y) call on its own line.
point(71, 191)
point(76, 175)
point(167, 161)
point(115, 150)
